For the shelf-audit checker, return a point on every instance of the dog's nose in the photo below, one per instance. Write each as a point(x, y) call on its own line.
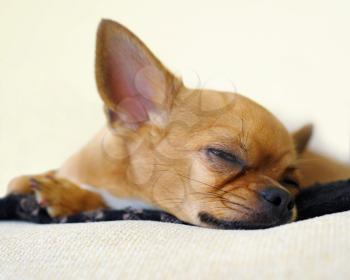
point(279, 199)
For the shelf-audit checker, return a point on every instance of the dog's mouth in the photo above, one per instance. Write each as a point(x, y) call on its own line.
point(212, 221)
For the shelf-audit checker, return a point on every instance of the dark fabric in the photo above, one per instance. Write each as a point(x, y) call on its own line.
point(25, 208)
point(325, 199)
point(315, 201)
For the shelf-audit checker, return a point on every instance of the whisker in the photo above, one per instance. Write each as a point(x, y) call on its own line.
point(223, 192)
point(225, 208)
point(215, 196)
point(194, 180)
point(171, 200)
point(212, 197)
point(209, 197)
point(238, 204)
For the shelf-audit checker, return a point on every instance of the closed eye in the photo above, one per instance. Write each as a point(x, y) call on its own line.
point(223, 155)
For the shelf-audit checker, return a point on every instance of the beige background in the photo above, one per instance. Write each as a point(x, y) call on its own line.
point(291, 56)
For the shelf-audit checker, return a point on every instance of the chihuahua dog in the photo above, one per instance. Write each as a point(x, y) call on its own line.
point(205, 156)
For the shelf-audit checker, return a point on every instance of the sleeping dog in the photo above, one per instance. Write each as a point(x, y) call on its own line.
point(207, 157)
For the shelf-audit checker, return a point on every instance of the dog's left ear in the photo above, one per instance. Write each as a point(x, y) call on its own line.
point(301, 137)
point(134, 85)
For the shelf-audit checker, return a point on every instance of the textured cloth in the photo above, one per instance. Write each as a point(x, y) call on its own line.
point(312, 249)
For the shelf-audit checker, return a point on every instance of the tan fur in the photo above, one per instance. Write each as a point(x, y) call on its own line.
point(163, 161)
point(62, 198)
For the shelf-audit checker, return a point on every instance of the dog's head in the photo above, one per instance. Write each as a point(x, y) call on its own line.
point(211, 158)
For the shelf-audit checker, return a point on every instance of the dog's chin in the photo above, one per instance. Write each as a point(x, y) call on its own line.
point(211, 221)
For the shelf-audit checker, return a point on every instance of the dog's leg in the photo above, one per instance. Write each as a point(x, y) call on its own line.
point(317, 168)
point(58, 196)
point(22, 184)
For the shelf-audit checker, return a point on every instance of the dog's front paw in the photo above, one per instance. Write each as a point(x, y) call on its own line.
point(61, 197)
point(57, 196)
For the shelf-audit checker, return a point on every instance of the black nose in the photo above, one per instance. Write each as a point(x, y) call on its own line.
point(278, 198)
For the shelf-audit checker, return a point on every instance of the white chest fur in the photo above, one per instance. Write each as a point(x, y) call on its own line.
point(116, 202)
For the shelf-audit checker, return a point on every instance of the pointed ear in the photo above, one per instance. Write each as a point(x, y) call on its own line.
point(302, 137)
point(134, 85)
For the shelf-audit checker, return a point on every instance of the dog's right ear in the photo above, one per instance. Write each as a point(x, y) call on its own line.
point(135, 87)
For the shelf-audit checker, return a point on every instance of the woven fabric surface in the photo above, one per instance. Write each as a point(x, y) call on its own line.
point(313, 249)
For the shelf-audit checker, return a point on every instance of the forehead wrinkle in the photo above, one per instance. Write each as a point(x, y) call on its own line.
point(219, 130)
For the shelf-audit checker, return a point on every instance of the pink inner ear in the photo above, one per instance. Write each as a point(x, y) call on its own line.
point(122, 90)
point(131, 86)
